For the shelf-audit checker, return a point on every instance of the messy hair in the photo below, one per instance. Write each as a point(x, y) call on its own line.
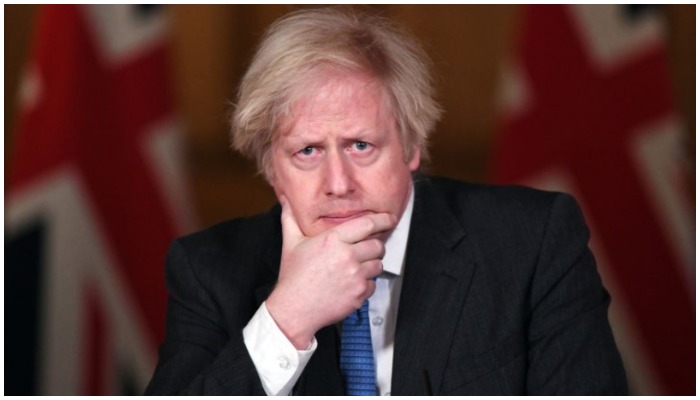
point(344, 41)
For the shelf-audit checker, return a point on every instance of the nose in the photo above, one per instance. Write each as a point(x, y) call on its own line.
point(339, 180)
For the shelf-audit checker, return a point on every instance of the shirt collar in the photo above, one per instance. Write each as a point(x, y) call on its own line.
point(398, 240)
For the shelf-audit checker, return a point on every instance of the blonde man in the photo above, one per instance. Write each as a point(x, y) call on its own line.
point(370, 278)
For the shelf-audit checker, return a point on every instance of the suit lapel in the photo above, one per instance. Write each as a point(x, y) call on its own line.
point(438, 270)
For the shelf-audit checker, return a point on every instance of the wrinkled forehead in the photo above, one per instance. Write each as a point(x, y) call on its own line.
point(328, 93)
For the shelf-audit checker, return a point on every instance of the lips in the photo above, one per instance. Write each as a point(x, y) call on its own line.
point(343, 216)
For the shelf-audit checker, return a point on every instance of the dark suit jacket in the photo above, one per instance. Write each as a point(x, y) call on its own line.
point(500, 296)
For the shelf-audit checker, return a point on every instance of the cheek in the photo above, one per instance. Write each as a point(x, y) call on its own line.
point(277, 184)
point(281, 179)
point(395, 186)
point(297, 194)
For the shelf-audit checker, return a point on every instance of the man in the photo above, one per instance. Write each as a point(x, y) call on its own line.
point(469, 289)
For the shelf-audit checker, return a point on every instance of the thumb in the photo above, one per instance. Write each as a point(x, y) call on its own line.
point(291, 233)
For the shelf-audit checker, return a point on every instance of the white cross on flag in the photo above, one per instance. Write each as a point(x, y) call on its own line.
point(96, 193)
point(589, 110)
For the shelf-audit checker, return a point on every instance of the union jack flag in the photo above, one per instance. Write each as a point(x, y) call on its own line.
point(95, 195)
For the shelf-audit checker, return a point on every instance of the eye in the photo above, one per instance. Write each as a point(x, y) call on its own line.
point(306, 151)
point(361, 146)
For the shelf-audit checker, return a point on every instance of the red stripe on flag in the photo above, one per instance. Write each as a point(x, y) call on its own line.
point(97, 114)
point(98, 118)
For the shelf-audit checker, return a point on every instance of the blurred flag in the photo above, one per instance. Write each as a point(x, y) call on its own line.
point(589, 110)
point(96, 193)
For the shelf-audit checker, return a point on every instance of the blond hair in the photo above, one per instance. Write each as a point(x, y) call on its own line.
point(342, 40)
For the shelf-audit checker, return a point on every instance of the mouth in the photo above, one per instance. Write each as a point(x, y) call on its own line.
point(340, 217)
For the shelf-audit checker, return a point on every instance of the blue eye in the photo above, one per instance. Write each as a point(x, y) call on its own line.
point(361, 145)
point(307, 151)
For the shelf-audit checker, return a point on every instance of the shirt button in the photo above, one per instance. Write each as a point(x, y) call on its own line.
point(376, 321)
point(284, 363)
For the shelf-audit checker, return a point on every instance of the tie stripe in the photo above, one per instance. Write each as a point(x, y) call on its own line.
point(356, 355)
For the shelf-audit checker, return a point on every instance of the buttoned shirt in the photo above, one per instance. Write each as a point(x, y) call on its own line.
point(279, 364)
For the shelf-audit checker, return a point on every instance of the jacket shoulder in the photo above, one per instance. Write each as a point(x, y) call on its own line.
point(232, 248)
point(497, 217)
point(243, 232)
point(495, 202)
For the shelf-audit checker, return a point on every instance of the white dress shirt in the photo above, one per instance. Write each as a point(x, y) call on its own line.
point(279, 364)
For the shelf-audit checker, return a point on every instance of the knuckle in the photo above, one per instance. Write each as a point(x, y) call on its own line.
point(358, 292)
point(373, 247)
point(346, 255)
point(352, 270)
point(331, 236)
point(379, 245)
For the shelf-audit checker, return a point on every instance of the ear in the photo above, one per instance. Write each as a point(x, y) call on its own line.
point(414, 161)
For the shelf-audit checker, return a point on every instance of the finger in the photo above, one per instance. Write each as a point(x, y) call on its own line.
point(370, 249)
point(372, 269)
point(371, 287)
point(361, 228)
point(291, 233)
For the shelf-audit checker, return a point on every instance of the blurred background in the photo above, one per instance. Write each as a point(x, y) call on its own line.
point(116, 141)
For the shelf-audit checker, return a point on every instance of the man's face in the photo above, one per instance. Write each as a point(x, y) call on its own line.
point(340, 156)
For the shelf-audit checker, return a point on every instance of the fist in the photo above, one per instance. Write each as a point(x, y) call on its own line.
point(324, 278)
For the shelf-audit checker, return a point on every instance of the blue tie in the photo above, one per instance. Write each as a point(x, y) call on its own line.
point(356, 356)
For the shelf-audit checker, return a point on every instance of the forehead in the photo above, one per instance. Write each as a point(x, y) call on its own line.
point(335, 98)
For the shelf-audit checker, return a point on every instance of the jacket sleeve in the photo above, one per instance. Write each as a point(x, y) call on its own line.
point(572, 350)
point(199, 355)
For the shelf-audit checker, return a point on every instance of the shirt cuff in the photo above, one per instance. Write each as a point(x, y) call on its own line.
point(278, 363)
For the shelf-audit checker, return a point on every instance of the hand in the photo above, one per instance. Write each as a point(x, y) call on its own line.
point(324, 278)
